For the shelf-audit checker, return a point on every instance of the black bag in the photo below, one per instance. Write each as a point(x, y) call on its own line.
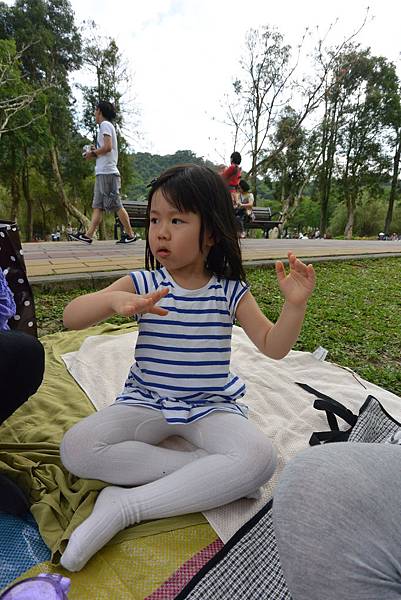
point(373, 424)
point(13, 265)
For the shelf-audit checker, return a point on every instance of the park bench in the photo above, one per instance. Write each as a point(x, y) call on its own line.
point(264, 219)
point(136, 209)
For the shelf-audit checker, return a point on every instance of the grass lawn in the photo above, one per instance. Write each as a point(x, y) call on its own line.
point(355, 313)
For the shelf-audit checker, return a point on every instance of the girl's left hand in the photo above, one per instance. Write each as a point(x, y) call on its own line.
point(298, 285)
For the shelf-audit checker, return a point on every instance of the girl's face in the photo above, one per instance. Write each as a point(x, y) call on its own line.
point(174, 238)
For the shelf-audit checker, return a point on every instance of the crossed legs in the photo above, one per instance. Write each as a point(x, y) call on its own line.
point(117, 445)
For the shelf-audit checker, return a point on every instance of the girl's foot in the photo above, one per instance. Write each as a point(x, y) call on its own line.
point(108, 517)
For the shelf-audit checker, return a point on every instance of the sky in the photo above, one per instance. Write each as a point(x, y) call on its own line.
point(183, 56)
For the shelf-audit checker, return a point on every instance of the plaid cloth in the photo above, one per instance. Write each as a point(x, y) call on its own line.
point(374, 424)
point(248, 566)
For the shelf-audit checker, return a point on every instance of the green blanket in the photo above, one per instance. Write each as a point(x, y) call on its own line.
point(29, 450)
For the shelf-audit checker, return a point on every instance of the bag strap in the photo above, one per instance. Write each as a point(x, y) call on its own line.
point(332, 409)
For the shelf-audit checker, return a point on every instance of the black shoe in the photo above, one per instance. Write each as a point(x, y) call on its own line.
point(12, 499)
point(128, 239)
point(79, 237)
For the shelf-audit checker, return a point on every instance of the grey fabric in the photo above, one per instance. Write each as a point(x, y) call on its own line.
point(106, 195)
point(337, 518)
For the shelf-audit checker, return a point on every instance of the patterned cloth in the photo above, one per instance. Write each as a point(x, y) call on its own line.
point(182, 360)
point(7, 303)
point(176, 582)
point(395, 438)
point(247, 567)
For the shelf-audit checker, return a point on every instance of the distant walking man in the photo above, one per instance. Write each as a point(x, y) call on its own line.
point(106, 196)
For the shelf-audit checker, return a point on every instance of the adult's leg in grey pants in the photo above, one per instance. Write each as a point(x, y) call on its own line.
point(337, 518)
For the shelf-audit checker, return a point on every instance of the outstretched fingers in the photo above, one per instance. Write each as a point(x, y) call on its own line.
point(297, 269)
point(152, 298)
point(280, 270)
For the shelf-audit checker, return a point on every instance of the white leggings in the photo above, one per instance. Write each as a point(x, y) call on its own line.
point(117, 445)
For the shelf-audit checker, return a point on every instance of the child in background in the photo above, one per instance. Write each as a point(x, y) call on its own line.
point(243, 210)
point(232, 176)
point(180, 383)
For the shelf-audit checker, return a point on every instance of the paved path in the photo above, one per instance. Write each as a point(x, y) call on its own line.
point(44, 259)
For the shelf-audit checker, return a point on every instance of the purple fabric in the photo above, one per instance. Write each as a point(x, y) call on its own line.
point(7, 304)
point(43, 587)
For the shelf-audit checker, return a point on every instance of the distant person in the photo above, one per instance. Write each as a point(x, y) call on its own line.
point(232, 176)
point(106, 196)
point(274, 234)
point(243, 209)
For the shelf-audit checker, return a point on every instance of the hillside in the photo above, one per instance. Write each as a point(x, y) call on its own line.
point(145, 167)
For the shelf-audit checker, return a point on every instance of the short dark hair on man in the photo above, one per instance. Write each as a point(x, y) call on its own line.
point(236, 158)
point(244, 185)
point(107, 109)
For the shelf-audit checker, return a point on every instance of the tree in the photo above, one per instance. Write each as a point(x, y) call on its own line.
point(15, 95)
point(54, 52)
point(394, 179)
point(294, 163)
point(370, 86)
point(266, 72)
point(394, 120)
point(268, 82)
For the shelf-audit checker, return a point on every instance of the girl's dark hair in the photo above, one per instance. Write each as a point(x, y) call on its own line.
point(236, 158)
point(107, 109)
point(193, 188)
point(244, 185)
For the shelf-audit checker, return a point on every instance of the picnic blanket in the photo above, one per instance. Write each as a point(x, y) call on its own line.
point(277, 404)
point(29, 448)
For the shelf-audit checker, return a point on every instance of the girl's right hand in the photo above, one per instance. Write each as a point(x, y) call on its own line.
point(128, 304)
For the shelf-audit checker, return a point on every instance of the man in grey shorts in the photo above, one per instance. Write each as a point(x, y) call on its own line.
point(106, 196)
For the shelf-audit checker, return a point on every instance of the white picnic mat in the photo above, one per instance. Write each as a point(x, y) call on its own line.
point(277, 406)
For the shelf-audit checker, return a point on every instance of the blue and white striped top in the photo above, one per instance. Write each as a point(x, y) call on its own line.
point(182, 360)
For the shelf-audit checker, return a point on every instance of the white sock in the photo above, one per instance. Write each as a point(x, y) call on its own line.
point(107, 519)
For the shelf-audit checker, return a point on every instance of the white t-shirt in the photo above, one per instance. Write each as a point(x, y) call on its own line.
point(107, 163)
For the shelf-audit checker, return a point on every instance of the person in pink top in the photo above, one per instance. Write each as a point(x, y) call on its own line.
point(232, 176)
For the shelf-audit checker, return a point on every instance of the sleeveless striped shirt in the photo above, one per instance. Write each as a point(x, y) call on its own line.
point(182, 360)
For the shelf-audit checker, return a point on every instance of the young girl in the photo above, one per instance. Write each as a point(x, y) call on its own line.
point(180, 383)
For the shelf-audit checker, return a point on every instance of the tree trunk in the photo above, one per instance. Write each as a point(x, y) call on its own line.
point(254, 178)
point(15, 195)
point(350, 221)
point(44, 220)
point(28, 200)
point(394, 184)
point(68, 206)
